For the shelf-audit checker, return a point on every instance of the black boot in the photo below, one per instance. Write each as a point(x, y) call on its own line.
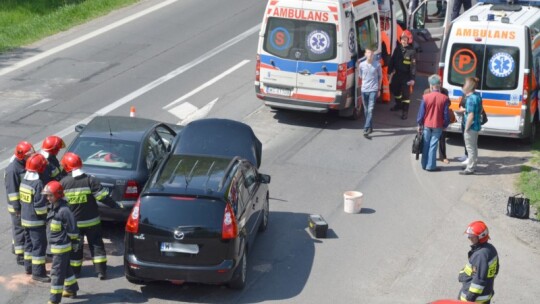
point(397, 106)
point(405, 112)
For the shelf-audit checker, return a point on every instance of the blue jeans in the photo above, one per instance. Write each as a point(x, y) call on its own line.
point(429, 151)
point(368, 100)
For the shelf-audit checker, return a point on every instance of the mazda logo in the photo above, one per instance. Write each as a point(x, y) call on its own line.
point(179, 235)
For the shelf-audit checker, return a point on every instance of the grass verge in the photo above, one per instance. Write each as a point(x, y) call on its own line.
point(25, 21)
point(529, 179)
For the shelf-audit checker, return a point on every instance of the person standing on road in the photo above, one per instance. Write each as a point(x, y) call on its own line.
point(479, 273)
point(33, 216)
point(471, 123)
point(370, 76)
point(12, 178)
point(50, 148)
point(82, 192)
point(456, 8)
point(402, 70)
point(432, 118)
point(63, 238)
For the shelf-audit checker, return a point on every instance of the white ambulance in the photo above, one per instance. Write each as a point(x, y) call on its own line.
point(307, 53)
point(500, 44)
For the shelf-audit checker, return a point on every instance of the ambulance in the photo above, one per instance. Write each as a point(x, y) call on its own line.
point(498, 42)
point(308, 50)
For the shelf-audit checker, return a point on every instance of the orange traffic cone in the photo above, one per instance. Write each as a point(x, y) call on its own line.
point(132, 111)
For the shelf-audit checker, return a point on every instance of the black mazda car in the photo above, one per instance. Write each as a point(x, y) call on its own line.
point(197, 217)
point(122, 152)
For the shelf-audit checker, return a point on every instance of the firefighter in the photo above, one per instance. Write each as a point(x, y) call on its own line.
point(402, 70)
point(479, 273)
point(63, 237)
point(33, 216)
point(12, 177)
point(50, 148)
point(82, 191)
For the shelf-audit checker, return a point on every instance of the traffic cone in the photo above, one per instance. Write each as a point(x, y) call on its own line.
point(132, 111)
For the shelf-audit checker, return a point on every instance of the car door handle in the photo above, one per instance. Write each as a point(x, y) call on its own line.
point(305, 72)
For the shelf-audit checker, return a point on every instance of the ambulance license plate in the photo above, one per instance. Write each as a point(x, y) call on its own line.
point(178, 247)
point(278, 91)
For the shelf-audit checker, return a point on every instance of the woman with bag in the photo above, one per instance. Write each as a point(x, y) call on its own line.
point(471, 123)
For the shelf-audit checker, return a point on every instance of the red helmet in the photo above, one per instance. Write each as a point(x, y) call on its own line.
point(479, 229)
point(71, 161)
point(23, 149)
point(54, 188)
point(53, 144)
point(409, 36)
point(36, 163)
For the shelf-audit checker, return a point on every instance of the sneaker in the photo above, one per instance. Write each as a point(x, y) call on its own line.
point(67, 294)
point(465, 162)
point(102, 275)
point(466, 172)
point(42, 279)
point(462, 158)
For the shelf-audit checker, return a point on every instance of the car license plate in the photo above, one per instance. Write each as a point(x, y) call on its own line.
point(178, 247)
point(278, 91)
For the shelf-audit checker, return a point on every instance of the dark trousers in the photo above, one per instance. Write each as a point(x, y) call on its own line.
point(97, 249)
point(457, 7)
point(442, 145)
point(34, 251)
point(18, 236)
point(62, 277)
point(401, 92)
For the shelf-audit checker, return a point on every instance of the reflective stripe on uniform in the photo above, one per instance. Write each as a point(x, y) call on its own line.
point(88, 223)
point(55, 289)
point(475, 288)
point(101, 194)
point(468, 269)
point(41, 210)
point(10, 209)
point(55, 172)
point(77, 195)
point(25, 193)
point(75, 263)
point(56, 225)
point(99, 259)
point(70, 281)
point(19, 249)
point(13, 196)
point(28, 256)
point(73, 236)
point(58, 249)
point(40, 260)
point(479, 299)
point(492, 267)
point(26, 223)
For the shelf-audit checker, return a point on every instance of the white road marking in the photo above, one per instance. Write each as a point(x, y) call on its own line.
point(184, 110)
point(44, 100)
point(201, 113)
point(83, 38)
point(120, 102)
point(207, 84)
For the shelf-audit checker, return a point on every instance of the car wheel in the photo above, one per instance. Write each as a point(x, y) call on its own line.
point(266, 214)
point(238, 280)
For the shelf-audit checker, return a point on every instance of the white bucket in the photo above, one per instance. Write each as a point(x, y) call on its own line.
point(352, 201)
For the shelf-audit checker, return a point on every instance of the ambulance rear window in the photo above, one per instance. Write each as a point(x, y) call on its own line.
point(496, 66)
point(300, 40)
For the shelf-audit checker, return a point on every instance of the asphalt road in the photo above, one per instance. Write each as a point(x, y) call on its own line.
point(192, 59)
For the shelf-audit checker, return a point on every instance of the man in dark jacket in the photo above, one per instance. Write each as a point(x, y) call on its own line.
point(402, 71)
point(82, 192)
point(33, 216)
point(479, 273)
point(12, 177)
point(50, 148)
point(63, 238)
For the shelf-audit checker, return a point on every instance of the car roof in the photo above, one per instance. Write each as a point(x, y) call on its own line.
point(220, 137)
point(119, 127)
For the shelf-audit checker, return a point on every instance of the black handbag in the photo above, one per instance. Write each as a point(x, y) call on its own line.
point(418, 144)
point(518, 206)
point(484, 117)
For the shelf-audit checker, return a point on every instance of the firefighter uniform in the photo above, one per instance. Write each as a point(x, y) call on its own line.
point(54, 170)
point(82, 191)
point(33, 216)
point(63, 232)
point(403, 65)
point(479, 274)
point(12, 177)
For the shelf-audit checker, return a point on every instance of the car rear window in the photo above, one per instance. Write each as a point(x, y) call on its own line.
point(194, 172)
point(497, 66)
point(105, 153)
point(300, 40)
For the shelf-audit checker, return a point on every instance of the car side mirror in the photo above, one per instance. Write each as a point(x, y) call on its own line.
point(79, 128)
point(264, 178)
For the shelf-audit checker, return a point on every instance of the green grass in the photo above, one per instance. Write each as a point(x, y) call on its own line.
point(25, 21)
point(529, 179)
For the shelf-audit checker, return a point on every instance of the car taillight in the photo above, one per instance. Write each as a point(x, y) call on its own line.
point(342, 77)
point(525, 88)
point(132, 190)
point(132, 224)
point(258, 68)
point(229, 227)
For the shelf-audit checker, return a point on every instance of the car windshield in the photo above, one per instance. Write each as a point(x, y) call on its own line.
point(106, 153)
point(196, 172)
